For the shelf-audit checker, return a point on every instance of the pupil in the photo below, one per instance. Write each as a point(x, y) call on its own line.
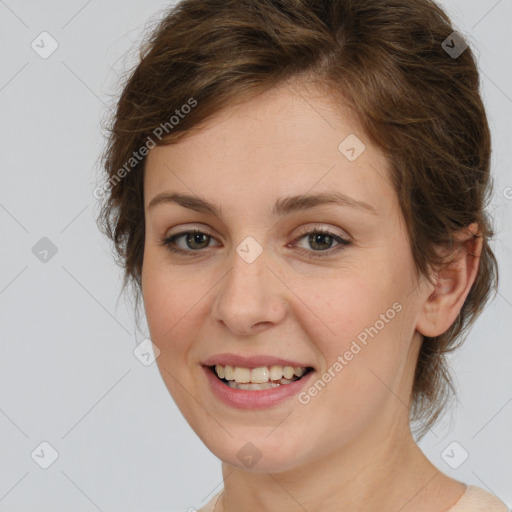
point(195, 238)
point(316, 237)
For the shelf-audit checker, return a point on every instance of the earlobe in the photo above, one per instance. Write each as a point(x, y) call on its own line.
point(452, 284)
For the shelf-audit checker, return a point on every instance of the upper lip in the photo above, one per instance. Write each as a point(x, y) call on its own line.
point(251, 361)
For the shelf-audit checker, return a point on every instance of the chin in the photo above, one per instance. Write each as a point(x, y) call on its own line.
point(258, 453)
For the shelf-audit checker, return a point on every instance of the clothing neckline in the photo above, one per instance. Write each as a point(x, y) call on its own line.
point(461, 500)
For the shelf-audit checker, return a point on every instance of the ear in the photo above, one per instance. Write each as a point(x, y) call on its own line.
point(452, 284)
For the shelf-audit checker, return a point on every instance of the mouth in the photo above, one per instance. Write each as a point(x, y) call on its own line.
point(258, 379)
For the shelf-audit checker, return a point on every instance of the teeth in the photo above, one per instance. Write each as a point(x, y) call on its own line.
point(261, 375)
point(252, 387)
point(276, 372)
point(299, 372)
point(220, 371)
point(242, 375)
point(288, 372)
point(229, 372)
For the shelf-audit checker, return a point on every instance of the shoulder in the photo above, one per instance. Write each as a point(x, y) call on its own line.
point(210, 506)
point(476, 499)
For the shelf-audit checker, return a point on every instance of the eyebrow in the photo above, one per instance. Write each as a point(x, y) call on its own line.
point(283, 206)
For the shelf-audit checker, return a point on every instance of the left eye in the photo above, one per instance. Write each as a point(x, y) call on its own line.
point(323, 239)
point(319, 237)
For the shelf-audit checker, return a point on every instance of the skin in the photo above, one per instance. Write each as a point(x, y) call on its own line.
point(350, 448)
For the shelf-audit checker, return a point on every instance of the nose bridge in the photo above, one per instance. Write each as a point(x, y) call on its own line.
point(248, 275)
point(248, 295)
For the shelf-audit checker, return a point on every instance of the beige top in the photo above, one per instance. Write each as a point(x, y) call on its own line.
point(474, 499)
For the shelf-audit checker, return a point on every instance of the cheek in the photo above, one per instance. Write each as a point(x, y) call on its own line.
point(352, 302)
point(169, 301)
point(171, 305)
point(364, 332)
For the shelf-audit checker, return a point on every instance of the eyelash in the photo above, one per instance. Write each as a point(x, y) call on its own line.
point(310, 254)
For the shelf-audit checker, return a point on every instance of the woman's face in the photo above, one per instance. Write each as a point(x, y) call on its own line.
point(261, 281)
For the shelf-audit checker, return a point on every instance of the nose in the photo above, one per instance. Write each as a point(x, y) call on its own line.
point(250, 297)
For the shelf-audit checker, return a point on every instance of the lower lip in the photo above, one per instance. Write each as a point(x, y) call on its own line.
point(255, 399)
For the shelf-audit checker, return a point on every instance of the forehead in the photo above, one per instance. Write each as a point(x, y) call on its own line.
point(289, 140)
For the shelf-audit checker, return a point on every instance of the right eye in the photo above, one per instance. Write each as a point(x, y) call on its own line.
point(192, 237)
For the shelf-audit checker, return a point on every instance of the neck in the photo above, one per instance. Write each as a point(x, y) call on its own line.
point(389, 473)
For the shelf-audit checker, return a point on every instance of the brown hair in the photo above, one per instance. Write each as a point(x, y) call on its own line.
point(383, 58)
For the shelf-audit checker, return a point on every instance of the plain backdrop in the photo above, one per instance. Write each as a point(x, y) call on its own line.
point(73, 396)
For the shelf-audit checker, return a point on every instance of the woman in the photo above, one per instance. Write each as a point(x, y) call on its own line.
point(297, 190)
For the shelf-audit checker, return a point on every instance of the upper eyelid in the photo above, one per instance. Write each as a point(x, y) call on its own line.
point(303, 231)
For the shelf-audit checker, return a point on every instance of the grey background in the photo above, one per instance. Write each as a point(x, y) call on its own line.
point(68, 375)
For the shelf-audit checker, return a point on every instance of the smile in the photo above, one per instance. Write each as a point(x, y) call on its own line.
point(273, 387)
point(263, 377)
